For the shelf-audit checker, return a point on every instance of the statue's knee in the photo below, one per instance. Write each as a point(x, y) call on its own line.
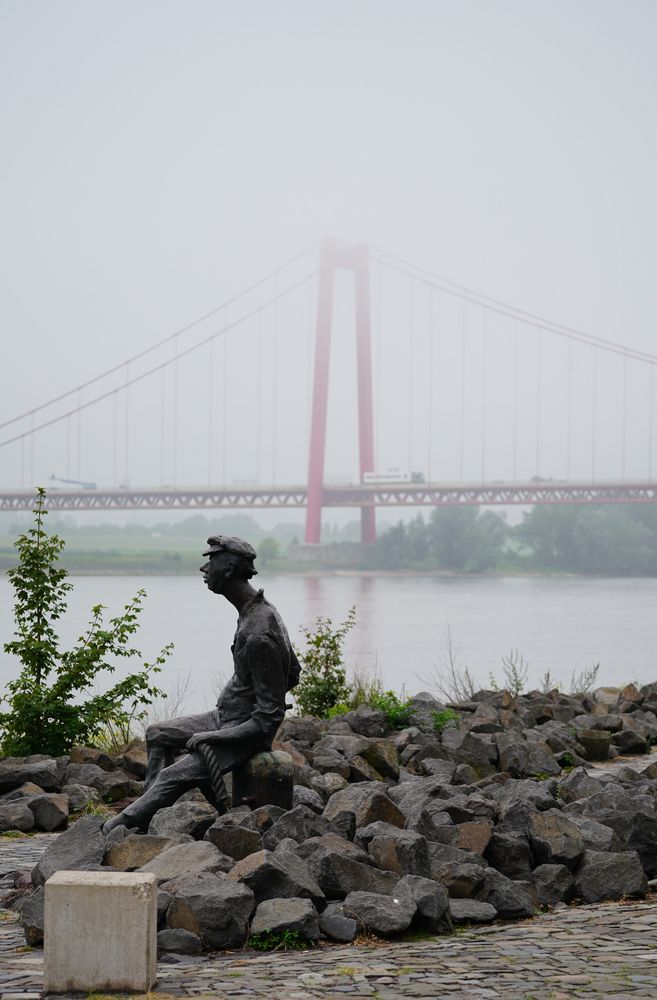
point(154, 735)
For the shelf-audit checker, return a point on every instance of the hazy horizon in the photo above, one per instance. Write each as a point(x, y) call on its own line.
point(159, 157)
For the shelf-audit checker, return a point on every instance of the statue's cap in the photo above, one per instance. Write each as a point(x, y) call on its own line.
point(224, 543)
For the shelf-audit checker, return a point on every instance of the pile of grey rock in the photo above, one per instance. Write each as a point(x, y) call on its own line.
point(41, 793)
point(499, 815)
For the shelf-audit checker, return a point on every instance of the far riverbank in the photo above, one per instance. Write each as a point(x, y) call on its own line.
point(150, 562)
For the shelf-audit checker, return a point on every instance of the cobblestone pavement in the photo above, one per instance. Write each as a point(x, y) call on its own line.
point(608, 950)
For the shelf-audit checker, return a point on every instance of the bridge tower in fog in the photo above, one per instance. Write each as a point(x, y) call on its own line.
point(352, 258)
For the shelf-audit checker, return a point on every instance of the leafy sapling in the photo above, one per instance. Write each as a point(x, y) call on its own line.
point(50, 704)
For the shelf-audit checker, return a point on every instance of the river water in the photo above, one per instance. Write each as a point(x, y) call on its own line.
point(560, 624)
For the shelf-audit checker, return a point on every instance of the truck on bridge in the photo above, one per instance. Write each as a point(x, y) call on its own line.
point(392, 476)
point(83, 484)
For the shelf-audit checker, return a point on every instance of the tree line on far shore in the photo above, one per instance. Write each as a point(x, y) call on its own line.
point(615, 540)
point(611, 540)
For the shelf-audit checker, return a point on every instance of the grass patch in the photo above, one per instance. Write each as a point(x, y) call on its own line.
point(92, 809)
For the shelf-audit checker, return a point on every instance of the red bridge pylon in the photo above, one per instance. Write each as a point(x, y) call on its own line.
point(354, 258)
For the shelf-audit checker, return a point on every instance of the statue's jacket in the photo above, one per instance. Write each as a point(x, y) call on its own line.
point(265, 668)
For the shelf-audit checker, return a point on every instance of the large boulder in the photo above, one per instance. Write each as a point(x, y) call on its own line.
point(510, 854)
point(134, 760)
point(81, 796)
point(303, 730)
point(31, 916)
point(187, 859)
point(630, 741)
point(266, 778)
point(366, 802)
point(341, 867)
point(596, 836)
point(298, 824)
point(82, 844)
point(431, 900)
point(610, 876)
point(432, 821)
point(524, 759)
point(187, 816)
point(50, 811)
point(180, 941)
point(554, 838)
point(382, 756)
point(395, 850)
point(595, 743)
point(424, 707)
point(510, 899)
point(112, 785)
point(554, 884)
point(631, 815)
point(280, 915)
point(216, 909)
point(302, 796)
point(42, 771)
point(336, 926)
point(234, 834)
point(16, 815)
point(366, 721)
point(474, 835)
point(270, 875)
point(136, 850)
point(385, 916)
point(577, 785)
point(462, 881)
point(92, 755)
point(471, 911)
point(443, 858)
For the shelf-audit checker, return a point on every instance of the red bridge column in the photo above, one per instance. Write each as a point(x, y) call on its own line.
point(320, 392)
point(364, 367)
point(356, 259)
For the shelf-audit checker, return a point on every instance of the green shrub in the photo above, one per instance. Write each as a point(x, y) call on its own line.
point(397, 711)
point(47, 713)
point(337, 710)
point(323, 683)
point(448, 717)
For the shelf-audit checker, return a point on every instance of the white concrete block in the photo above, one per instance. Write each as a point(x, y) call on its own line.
point(100, 932)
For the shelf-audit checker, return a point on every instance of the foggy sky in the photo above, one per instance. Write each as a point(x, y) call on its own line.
point(158, 156)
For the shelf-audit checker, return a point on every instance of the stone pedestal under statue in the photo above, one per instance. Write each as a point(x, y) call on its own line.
point(264, 780)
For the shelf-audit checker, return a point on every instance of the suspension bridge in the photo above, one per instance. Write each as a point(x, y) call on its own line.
point(347, 377)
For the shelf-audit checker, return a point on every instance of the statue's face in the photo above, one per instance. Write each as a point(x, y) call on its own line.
point(215, 572)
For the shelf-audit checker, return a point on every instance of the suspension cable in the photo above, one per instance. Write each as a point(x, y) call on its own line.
point(503, 309)
point(164, 340)
point(158, 367)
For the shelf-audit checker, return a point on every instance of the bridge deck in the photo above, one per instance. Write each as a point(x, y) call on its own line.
point(377, 495)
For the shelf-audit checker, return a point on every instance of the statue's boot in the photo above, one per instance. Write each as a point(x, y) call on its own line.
point(120, 820)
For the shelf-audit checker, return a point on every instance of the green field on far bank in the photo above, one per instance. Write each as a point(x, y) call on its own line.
point(605, 540)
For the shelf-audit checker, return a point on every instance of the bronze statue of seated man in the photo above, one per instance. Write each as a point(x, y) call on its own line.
point(249, 710)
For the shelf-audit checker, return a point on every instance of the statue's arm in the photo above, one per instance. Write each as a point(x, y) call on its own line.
point(269, 675)
point(229, 734)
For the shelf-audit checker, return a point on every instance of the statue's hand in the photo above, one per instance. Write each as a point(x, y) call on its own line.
point(194, 741)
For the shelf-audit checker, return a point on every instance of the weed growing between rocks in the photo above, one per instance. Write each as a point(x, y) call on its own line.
point(291, 940)
point(448, 717)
